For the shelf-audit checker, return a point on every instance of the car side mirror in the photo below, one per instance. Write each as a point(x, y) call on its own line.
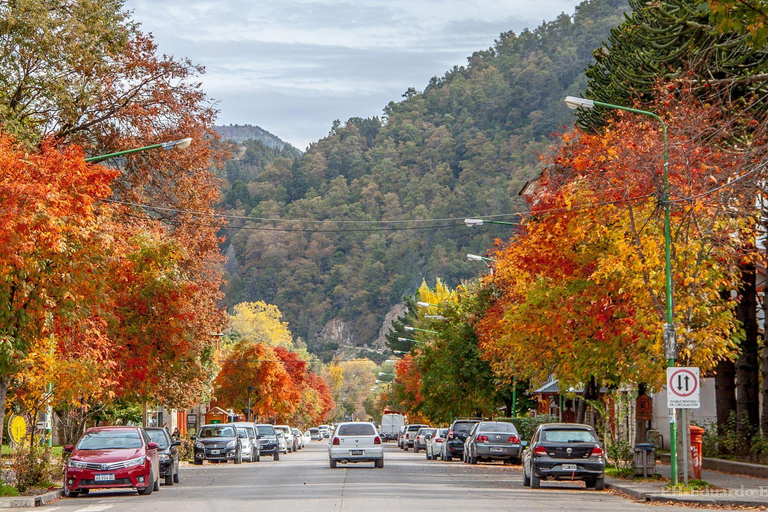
point(68, 448)
point(176, 443)
point(152, 446)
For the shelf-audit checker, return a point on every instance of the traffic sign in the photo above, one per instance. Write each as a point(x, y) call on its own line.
point(17, 428)
point(683, 388)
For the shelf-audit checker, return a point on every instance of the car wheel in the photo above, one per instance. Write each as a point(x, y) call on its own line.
point(526, 480)
point(535, 481)
point(415, 449)
point(428, 456)
point(333, 464)
point(258, 457)
point(600, 483)
point(380, 463)
point(176, 477)
point(198, 462)
point(169, 480)
point(276, 456)
point(448, 457)
point(157, 484)
point(146, 491)
point(473, 460)
point(68, 492)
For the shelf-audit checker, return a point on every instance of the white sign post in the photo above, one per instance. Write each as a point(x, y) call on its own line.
point(683, 388)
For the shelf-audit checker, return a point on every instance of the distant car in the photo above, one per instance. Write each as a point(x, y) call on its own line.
point(299, 438)
point(282, 446)
point(290, 440)
point(409, 434)
point(493, 440)
point(564, 451)
point(420, 443)
point(325, 430)
point(107, 457)
point(167, 453)
point(218, 442)
point(251, 445)
point(390, 425)
point(435, 443)
point(400, 436)
point(248, 449)
point(315, 434)
point(355, 442)
point(268, 440)
point(457, 434)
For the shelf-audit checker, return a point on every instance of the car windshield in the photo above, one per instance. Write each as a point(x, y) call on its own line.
point(109, 440)
point(223, 431)
point(357, 429)
point(242, 434)
point(463, 427)
point(414, 428)
point(442, 432)
point(266, 430)
point(160, 437)
point(497, 427)
point(314, 431)
point(251, 431)
point(568, 436)
point(426, 431)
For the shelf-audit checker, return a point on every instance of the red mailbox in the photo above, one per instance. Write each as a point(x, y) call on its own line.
point(697, 435)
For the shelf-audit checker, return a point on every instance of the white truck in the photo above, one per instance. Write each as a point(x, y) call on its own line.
point(390, 425)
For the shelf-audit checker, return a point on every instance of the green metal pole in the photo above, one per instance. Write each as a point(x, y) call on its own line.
point(670, 342)
point(120, 153)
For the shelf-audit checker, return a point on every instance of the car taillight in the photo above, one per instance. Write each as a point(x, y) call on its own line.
point(439, 440)
point(450, 434)
point(597, 452)
point(336, 441)
point(376, 440)
point(513, 439)
point(407, 436)
point(540, 450)
point(482, 439)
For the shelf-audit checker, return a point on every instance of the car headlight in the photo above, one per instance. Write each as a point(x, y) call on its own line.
point(164, 457)
point(76, 464)
point(134, 462)
point(231, 444)
point(199, 445)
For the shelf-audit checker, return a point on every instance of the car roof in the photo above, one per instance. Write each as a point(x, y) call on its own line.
point(115, 427)
point(575, 426)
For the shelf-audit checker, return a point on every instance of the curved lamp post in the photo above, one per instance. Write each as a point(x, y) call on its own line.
point(670, 343)
point(480, 222)
point(167, 146)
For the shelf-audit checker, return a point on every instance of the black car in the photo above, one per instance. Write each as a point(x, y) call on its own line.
point(457, 434)
point(564, 451)
point(167, 453)
point(268, 443)
point(218, 442)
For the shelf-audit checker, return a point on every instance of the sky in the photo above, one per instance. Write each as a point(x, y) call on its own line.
point(294, 66)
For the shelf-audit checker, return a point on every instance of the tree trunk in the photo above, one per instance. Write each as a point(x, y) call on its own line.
point(641, 426)
point(764, 420)
point(4, 380)
point(748, 363)
point(725, 393)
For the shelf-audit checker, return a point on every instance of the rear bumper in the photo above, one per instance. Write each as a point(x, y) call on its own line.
point(553, 468)
point(454, 447)
point(368, 455)
point(498, 452)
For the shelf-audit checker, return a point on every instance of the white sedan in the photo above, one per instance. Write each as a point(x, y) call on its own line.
point(355, 441)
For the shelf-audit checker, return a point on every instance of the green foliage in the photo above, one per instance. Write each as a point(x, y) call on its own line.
point(35, 467)
point(526, 425)
point(621, 454)
point(463, 147)
point(8, 490)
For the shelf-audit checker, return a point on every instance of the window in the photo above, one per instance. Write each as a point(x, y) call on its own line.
point(215, 431)
point(266, 430)
point(110, 440)
point(357, 429)
point(498, 427)
point(568, 436)
point(160, 437)
point(463, 427)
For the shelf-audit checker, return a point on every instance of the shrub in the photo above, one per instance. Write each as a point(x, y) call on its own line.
point(527, 425)
point(8, 490)
point(35, 467)
point(621, 453)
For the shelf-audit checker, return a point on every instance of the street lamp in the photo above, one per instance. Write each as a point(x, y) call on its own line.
point(411, 329)
point(480, 222)
point(670, 343)
point(381, 374)
point(408, 339)
point(167, 146)
point(426, 305)
point(248, 412)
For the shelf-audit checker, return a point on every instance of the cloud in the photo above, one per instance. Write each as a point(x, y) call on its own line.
point(293, 66)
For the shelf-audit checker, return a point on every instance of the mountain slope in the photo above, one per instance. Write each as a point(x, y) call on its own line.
point(462, 148)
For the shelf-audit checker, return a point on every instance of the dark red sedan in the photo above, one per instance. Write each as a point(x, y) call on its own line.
point(108, 457)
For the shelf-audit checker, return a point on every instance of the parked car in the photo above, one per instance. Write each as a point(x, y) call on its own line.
point(253, 452)
point(401, 436)
point(247, 446)
point(290, 439)
point(409, 434)
point(268, 441)
point(325, 430)
point(457, 434)
point(107, 457)
point(420, 443)
point(299, 438)
point(435, 443)
point(315, 434)
point(355, 441)
point(282, 446)
point(218, 442)
point(167, 454)
point(493, 440)
point(564, 451)
point(390, 425)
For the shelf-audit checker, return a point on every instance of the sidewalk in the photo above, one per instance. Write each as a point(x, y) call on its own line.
point(730, 490)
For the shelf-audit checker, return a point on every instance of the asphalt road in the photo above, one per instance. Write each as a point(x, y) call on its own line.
point(303, 482)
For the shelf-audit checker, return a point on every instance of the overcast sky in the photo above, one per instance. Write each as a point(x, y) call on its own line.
point(293, 66)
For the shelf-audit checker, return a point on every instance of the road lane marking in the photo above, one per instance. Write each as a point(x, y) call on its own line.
point(94, 508)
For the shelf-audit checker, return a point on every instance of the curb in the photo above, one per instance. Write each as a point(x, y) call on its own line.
point(31, 501)
point(660, 497)
point(729, 466)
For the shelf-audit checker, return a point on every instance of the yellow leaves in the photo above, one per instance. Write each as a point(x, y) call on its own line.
point(260, 322)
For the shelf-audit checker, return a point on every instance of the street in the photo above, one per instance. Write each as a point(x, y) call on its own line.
point(304, 482)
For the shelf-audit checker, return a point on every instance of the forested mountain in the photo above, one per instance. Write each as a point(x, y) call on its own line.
point(242, 133)
point(331, 237)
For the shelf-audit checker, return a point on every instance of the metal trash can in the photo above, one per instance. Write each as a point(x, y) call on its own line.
point(645, 459)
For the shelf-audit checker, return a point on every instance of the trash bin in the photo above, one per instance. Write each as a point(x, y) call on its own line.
point(697, 437)
point(645, 459)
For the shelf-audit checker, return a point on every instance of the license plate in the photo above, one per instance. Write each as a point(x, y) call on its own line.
point(355, 452)
point(215, 452)
point(107, 477)
point(569, 467)
point(494, 449)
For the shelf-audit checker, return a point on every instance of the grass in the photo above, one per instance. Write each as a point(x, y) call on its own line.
point(625, 473)
point(8, 490)
point(693, 486)
point(56, 451)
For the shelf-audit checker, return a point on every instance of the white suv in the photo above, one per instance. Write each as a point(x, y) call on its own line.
point(355, 441)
